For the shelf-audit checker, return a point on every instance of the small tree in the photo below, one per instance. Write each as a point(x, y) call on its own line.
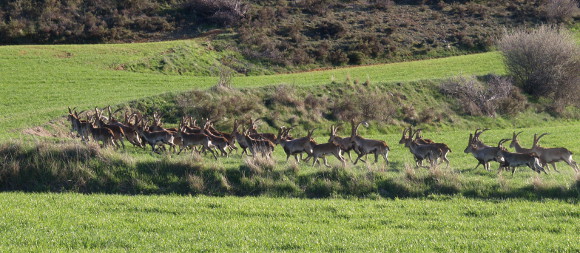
point(543, 62)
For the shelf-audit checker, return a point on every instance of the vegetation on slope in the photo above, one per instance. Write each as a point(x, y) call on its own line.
point(74, 166)
point(39, 82)
point(279, 34)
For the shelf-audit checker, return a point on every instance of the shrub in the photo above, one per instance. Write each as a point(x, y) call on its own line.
point(477, 98)
point(560, 10)
point(226, 12)
point(382, 4)
point(544, 62)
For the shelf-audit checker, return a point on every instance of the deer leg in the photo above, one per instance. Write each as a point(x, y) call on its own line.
point(359, 158)
point(575, 165)
point(224, 152)
point(122, 142)
point(554, 165)
point(340, 158)
point(325, 162)
point(211, 151)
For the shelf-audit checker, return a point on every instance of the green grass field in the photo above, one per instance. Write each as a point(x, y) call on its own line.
point(459, 209)
point(37, 83)
point(73, 222)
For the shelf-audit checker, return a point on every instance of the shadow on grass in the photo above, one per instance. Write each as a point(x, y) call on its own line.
point(76, 167)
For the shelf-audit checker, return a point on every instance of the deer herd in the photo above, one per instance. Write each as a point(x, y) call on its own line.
point(140, 132)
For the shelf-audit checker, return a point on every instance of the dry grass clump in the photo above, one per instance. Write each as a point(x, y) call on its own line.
point(480, 98)
point(257, 165)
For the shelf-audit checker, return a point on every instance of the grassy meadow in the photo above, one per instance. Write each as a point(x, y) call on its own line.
point(137, 201)
point(74, 222)
point(37, 83)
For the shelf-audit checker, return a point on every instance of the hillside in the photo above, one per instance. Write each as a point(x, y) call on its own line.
point(278, 35)
point(39, 82)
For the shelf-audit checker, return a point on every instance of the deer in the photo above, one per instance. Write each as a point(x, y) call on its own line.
point(476, 139)
point(77, 125)
point(368, 146)
point(194, 139)
point(118, 132)
point(513, 160)
point(515, 144)
point(483, 153)
point(345, 144)
point(295, 146)
point(553, 155)
point(219, 142)
point(230, 138)
point(259, 146)
point(253, 131)
point(330, 148)
point(131, 135)
point(419, 140)
point(157, 125)
point(154, 138)
point(422, 151)
point(240, 138)
point(102, 134)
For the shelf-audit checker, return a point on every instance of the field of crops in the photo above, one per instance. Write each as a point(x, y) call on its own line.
point(72, 222)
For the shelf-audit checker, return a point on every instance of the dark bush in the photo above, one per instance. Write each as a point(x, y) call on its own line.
point(338, 57)
point(225, 12)
point(543, 62)
point(356, 58)
point(329, 29)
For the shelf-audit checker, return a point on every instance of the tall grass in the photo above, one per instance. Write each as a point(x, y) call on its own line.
point(76, 167)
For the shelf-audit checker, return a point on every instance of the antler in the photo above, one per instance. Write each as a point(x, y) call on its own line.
point(418, 133)
point(501, 142)
point(536, 140)
point(476, 135)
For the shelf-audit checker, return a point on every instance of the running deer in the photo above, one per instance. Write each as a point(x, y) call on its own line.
point(513, 160)
point(154, 138)
point(118, 132)
point(553, 155)
point(78, 125)
point(321, 150)
point(295, 146)
point(131, 135)
point(345, 144)
point(422, 151)
point(194, 139)
point(259, 146)
point(368, 146)
point(484, 154)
